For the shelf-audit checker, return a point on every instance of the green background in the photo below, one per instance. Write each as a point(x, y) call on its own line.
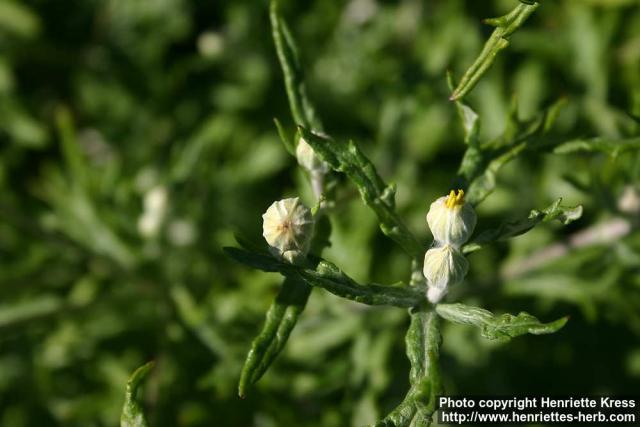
point(103, 101)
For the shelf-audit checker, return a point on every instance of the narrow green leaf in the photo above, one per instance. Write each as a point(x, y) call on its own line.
point(257, 260)
point(602, 145)
point(301, 108)
point(503, 327)
point(132, 412)
point(468, 117)
point(509, 229)
point(289, 144)
point(332, 279)
point(380, 197)
point(402, 414)
point(18, 312)
point(74, 158)
point(505, 26)
point(326, 275)
point(280, 320)
point(473, 161)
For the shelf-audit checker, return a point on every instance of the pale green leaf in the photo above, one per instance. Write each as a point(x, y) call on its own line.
point(602, 145)
point(505, 26)
point(509, 229)
point(502, 327)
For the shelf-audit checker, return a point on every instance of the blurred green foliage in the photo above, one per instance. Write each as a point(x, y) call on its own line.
point(137, 135)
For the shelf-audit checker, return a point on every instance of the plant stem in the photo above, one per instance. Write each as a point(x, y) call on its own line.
point(423, 342)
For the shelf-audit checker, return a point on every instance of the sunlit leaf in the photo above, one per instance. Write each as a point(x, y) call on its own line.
point(329, 277)
point(505, 26)
point(602, 145)
point(502, 327)
point(510, 229)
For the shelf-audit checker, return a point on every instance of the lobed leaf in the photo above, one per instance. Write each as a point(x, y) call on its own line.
point(509, 229)
point(503, 327)
point(132, 412)
point(380, 197)
point(326, 275)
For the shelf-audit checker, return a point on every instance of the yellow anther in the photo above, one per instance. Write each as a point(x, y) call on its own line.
point(454, 199)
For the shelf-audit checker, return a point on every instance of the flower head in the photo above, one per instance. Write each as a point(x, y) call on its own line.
point(287, 227)
point(451, 219)
point(444, 266)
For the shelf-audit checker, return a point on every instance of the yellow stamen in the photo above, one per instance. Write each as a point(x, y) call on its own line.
point(454, 199)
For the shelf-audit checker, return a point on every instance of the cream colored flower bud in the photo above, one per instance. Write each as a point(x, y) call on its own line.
point(444, 266)
point(287, 227)
point(308, 159)
point(451, 219)
point(434, 295)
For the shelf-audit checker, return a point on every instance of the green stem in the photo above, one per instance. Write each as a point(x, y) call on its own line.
point(423, 342)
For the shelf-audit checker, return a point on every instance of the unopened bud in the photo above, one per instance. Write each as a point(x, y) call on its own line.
point(451, 219)
point(287, 227)
point(308, 159)
point(443, 267)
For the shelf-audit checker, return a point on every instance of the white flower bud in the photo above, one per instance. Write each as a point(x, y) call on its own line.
point(434, 295)
point(451, 220)
point(287, 227)
point(308, 159)
point(444, 266)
